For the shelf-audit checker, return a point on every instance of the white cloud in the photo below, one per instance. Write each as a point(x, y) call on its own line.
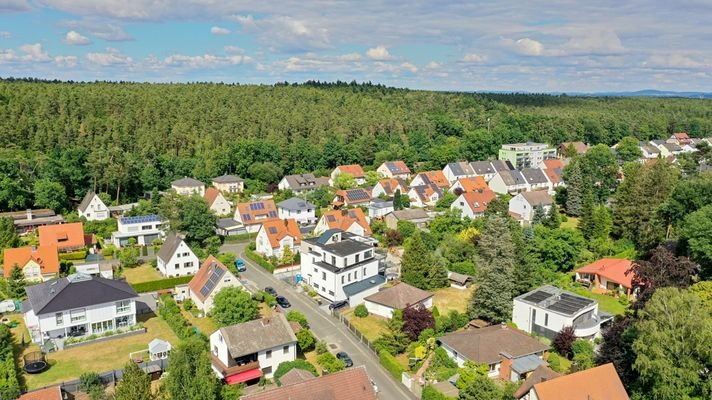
point(233, 49)
point(675, 61)
point(350, 57)
point(529, 47)
point(285, 32)
point(66, 61)
point(5, 35)
point(409, 67)
point(76, 38)
point(474, 58)
point(205, 60)
point(217, 30)
point(600, 42)
point(34, 52)
point(379, 53)
point(14, 6)
point(99, 28)
point(110, 57)
point(433, 65)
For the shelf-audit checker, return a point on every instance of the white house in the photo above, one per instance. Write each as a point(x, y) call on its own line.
point(387, 187)
point(378, 209)
point(537, 179)
point(92, 208)
point(341, 266)
point(188, 186)
point(397, 297)
point(144, 229)
point(424, 196)
point(78, 305)
point(473, 204)
point(354, 170)
point(547, 309)
point(300, 210)
point(509, 181)
point(175, 258)
point(457, 170)
point(208, 281)
point(394, 169)
point(352, 221)
point(274, 236)
point(248, 351)
point(217, 202)
point(38, 263)
point(302, 183)
point(524, 204)
point(485, 169)
point(229, 183)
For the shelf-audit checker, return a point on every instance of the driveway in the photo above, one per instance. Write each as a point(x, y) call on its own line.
point(325, 327)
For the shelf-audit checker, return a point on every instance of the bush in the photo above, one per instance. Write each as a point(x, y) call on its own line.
point(259, 260)
point(296, 316)
point(305, 340)
point(161, 284)
point(9, 385)
point(88, 381)
point(361, 311)
point(169, 311)
point(238, 238)
point(188, 304)
point(390, 364)
point(583, 354)
point(430, 393)
point(73, 256)
point(321, 347)
point(564, 340)
point(287, 366)
point(108, 251)
point(329, 363)
point(555, 362)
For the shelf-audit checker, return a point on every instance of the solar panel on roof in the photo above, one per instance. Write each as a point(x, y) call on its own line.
point(246, 217)
point(215, 274)
point(140, 219)
point(331, 218)
point(570, 304)
point(273, 214)
point(538, 296)
point(357, 195)
point(272, 230)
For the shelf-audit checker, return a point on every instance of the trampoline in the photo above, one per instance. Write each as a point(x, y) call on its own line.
point(35, 362)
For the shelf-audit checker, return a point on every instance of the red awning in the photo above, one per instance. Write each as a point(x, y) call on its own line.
point(243, 376)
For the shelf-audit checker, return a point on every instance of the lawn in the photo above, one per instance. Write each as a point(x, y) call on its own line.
point(311, 357)
point(142, 273)
point(205, 325)
point(606, 303)
point(571, 222)
point(447, 299)
point(104, 356)
point(371, 327)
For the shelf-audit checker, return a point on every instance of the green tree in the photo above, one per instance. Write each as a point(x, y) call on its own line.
point(134, 384)
point(329, 363)
point(430, 393)
point(196, 219)
point(8, 236)
point(582, 354)
point(305, 340)
point(539, 214)
point(557, 249)
point(16, 283)
point(445, 201)
point(50, 194)
point(287, 366)
point(298, 317)
point(406, 228)
point(628, 149)
point(703, 290)
point(190, 375)
point(344, 181)
point(267, 172)
point(419, 267)
point(232, 306)
point(372, 178)
point(395, 341)
point(553, 217)
point(697, 234)
point(600, 166)
point(576, 187)
point(482, 388)
point(597, 224)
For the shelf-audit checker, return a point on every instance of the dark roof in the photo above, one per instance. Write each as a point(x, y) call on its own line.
point(324, 237)
point(501, 165)
point(358, 194)
point(227, 223)
point(140, 219)
point(346, 247)
point(227, 179)
point(461, 168)
point(75, 291)
point(399, 296)
point(534, 176)
point(512, 177)
point(410, 214)
point(169, 246)
point(86, 200)
point(541, 373)
point(261, 334)
point(484, 345)
point(556, 300)
point(305, 181)
point(458, 278)
point(482, 167)
point(349, 384)
point(358, 287)
point(187, 182)
point(295, 204)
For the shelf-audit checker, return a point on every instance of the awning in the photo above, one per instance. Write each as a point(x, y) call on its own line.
point(243, 376)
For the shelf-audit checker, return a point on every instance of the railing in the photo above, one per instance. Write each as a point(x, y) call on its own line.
point(229, 371)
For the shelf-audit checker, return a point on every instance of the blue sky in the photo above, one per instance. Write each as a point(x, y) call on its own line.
point(523, 45)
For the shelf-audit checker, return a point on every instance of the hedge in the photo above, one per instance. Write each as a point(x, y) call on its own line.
point(259, 260)
point(168, 310)
point(152, 286)
point(73, 256)
point(391, 364)
point(9, 385)
point(237, 238)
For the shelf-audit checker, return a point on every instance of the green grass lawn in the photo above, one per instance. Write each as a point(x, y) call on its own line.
point(606, 303)
point(572, 223)
point(371, 327)
point(205, 325)
point(448, 299)
point(142, 273)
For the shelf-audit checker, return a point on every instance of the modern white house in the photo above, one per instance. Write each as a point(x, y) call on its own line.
point(217, 202)
point(547, 309)
point(229, 183)
point(300, 210)
point(208, 281)
point(188, 186)
point(78, 305)
point(145, 229)
point(175, 258)
point(92, 208)
point(274, 236)
point(248, 351)
point(397, 297)
point(341, 266)
point(525, 204)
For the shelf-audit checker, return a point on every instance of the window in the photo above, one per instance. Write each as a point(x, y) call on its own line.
point(267, 370)
point(358, 256)
point(146, 227)
point(546, 319)
point(177, 266)
point(492, 367)
point(215, 350)
point(356, 275)
point(368, 254)
point(349, 276)
point(316, 286)
point(59, 318)
point(268, 354)
point(323, 276)
point(333, 260)
point(364, 271)
point(342, 279)
point(123, 306)
point(285, 349)
point(104, 326)
point(123, 322)
point(77, 315)
point(189, 264)
point(220, 338)
point(331, 292)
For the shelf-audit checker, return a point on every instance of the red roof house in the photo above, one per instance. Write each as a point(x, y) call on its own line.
point(608, 274)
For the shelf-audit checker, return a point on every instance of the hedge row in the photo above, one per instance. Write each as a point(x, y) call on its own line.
point(152, 286)
point(391, 364)
point(9, 385)
point(237, 238)
point(168, 310)
point(259, 260)
point(73, 256)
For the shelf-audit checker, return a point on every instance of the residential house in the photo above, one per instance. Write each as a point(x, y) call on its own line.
point(250, 350)
point(144, 229)
point(354, 170)
point(229, 227)
point(252, 214)
point(501, 165)
point(49, 393)
point(425, 195)
point(96, 269)
point(66, 237)
point(300, 210)
point(175, 257)
point(554, 173)
point(436, 178)
point(524, 204)
point(352, 197)
point(353, 221)
point(547, 309)
point(458, 170)
point(473, 204)
point(418, 216)
point(508, 181)
point(579, 147)
point(341, 266)
point(29, 220)
point(208, 281)
point(608, 275)
point(229, 184)
point(274, 236)
point(680, 139)
point(670, 149)
point(537, 180)
point(37, 263)
point(510, 353)
point(600, 382)
point(217, 202)
point(378, 209)
point(397, 297)
point(394, 169)
point(92, 208)
point(188, 186)
point(299, 184)
point(541, 373)
point(349, 384)
point(471, 184)
point(387, 187)
point(526, 155)
point(649, 151)
point(485, 169)
point(78, 305)
point(121, 210)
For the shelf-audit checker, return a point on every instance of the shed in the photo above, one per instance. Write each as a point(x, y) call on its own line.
point(459, 281)
point(159, 349)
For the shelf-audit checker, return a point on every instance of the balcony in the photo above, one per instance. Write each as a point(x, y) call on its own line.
point(229, 371)
point(587, 328)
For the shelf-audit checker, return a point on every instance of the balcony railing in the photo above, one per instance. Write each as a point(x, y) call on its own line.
point(229, 371)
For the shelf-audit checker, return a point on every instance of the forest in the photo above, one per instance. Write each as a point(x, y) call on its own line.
point(60, 139)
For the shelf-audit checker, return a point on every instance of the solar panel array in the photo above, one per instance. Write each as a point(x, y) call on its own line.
point(140, 219)
point(331, 218)
point(273, 214)
point(569, 304)
point(257, 206)
point(246, 217)
point(538, 296)
point(357, 195)
point(215, 274)
point(272, 230)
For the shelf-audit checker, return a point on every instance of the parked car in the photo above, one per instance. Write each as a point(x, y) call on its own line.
point(240, 265)
point(283, 302)
point(271, 291)
point(344, 356)
point(338, 304)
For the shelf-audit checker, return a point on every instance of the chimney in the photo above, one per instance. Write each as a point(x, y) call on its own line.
point(29, 214)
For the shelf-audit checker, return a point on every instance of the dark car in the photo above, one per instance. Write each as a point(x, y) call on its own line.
point(283, 302)
point(338, 304)
point(343, 356)
point(271, 291)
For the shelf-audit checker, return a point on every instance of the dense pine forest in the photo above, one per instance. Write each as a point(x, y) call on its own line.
point(127, 138)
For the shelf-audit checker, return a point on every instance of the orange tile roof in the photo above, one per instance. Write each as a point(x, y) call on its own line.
point(553, 163)
point(201, 277)
point(681, 135)
point(397, 167)
point(257, 212)
point(211, 194)
point(353, 169)
point(279, 229)
point(613, 269)
point(349, 384)
point(597, 383)
point(343, 219)
point(478, 201)
point(474, 184)
point(64, 236)
point(45, 256)
point(390, 185)
point(553, 174)
point(437, 178)
point(50, 393)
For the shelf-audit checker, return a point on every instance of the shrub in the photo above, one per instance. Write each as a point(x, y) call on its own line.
point(73, 256)
point(161, 284)
point(169, 311)
point(305, 340)
point(108, 251)
point(88, 381)
point(259, 260)
point(555, 362)
point(430, 393)
point(583, 354)
point(564, 340)
point(188, 304)
point(361, 311)
point(321, 347)
point(299, 317)
point(287, 366)
point(9, 385)
point(390, 364)
point(416, 319)
point(329, 363)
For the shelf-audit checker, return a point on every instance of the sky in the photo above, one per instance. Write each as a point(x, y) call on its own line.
point(499, 45)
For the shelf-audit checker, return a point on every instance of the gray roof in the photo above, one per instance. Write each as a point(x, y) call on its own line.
point(672, 147)
point(305, 181)
point(527, 363)
point(461, 168)
point(358, 287)
point(400, 296)
point(227, 179)
point(227, 223)
point(76, 291)
point(187, 182)
point(86, 200)
point(556, 300)
point(261, 334)
point(482, 167)
point(411, 214)
point(534, 176)
point(485, 345)
point(459, 278)
point(296, 204)
point(421, 190)
point(158, 346)
point(169, 247)
point(378, 203)
point(657, 142)
point(501, 165)
point(649, 148)
point(512, 177)
point(538, 197)
point(346, 247)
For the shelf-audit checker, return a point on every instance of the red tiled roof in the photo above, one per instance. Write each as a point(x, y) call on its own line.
point(553, 174)
point(553, 163)
point(203, 274)
point(343, 219)
point(353, 169)
point(595, 383)
point(390, 185)
point(279, 229)
point(50, 393)
point(681, 135)
point(349, 384)
point(437, 178)
point(211, 194)
point(258, 211)
point(64, 236)
point(397, 167)
point(613, 269)
point(45, 256)
point(478, 201)
point(473, 184)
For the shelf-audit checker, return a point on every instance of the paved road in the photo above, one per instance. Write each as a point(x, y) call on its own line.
point(325, 327)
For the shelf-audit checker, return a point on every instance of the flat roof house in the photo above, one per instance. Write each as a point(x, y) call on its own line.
point(144, 228)
point(29, 220)
point(397, 297)
point(37, 263)
point(526, 155)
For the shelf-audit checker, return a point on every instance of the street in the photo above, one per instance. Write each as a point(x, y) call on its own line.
point(324, 327)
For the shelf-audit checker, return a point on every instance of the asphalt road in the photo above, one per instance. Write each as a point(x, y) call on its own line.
point(325, 327)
